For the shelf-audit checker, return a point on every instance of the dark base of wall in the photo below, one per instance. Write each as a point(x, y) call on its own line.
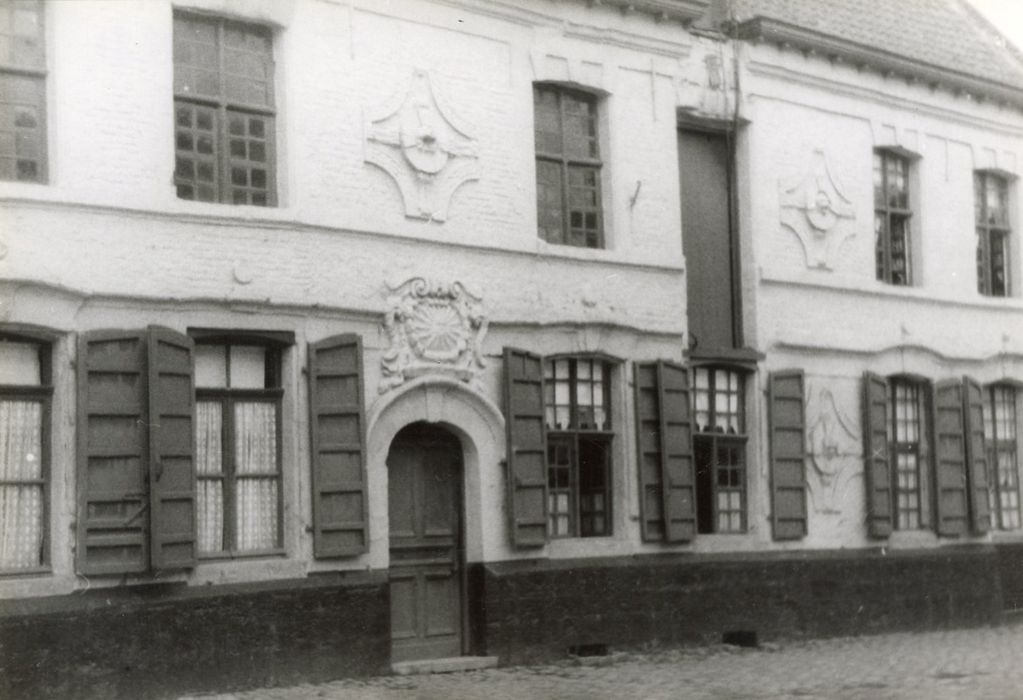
point(1010, 566)
point(537, 610)
point(159, 641)
point(163, 640)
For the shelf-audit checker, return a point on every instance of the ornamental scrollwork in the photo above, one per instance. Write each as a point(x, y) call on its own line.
point(432, 327)
point(417, 139)
point(814, 208)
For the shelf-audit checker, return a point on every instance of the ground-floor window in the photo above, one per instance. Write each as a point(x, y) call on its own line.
point(719, 446)
point(906, 431)
point(1003, 468)
point(25, 391)
point(238, 475)
point(579, 442)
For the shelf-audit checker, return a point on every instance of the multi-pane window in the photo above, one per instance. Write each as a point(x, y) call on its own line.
point(891, 217)
point(238, 454)
point(25, 391)
point(719, 445)
point(223, 111)
point(906, 437)
point(22, 91)
point(567, 167)
point(991, 207)
point(1003, 467)
point(579, 437)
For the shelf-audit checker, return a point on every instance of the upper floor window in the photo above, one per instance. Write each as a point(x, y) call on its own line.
point(892, 213)
point(568, 199)
point(1000, 431)
point(991, 207)
point(238, 453)
point(223, 111)
point(25, 391)
point(719, 446)
point(578, 417)
point(22, 91)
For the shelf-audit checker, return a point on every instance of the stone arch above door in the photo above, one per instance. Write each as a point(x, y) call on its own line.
point(479, 426)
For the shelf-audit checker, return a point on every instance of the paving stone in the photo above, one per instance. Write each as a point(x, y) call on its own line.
point(945, 665)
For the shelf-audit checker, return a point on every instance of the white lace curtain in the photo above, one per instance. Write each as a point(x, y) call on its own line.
point(21, 505)
point(255, 452)
point(209, 458)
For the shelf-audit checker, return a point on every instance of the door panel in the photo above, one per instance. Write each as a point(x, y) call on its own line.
point(424, 476)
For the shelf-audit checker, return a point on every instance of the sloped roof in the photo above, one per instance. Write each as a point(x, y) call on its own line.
point(946, 35)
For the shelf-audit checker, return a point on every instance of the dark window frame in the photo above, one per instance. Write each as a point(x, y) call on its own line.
point(887, 213)
point(574, 438)
point(567, 163)
point(30, 68)
point(989, 232)
point(995, 446)
point(41, 393)
point(223, 107)
point(273, 393)
point(714, 441)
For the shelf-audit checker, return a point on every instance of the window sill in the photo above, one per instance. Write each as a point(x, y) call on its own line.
point(23, 573)
point(242, 555)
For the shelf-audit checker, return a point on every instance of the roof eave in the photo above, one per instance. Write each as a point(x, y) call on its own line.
point(766, 29)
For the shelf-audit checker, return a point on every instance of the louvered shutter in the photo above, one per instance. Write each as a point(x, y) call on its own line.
point(171, 449)
point(648, 445)
point(788, 455)
point(950, 459)
point(876, 465)
point(113, 522)
point(678, 471)
point(338, 431)
point(527, 448)
point(976, 456)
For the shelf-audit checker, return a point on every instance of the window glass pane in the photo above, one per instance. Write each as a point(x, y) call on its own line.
point(255, 453)
point(210, 366)
point(248, 367)
point(549, 218)
point(21, 34)
point(21, 505)
point(21, 525)
point(546, 120)
point(21, 127)
point(19, 364)
point(209, 424)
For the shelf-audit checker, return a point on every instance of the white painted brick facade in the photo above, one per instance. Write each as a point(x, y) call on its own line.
point(106, 243)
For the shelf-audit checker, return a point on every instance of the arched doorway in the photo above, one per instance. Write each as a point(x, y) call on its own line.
point(427, 550)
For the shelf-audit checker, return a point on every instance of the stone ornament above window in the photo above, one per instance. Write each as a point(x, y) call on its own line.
point(417, 139)
point(432, 327)
point(814, 208)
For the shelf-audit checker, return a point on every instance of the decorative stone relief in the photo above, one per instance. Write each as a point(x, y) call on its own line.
point(417, 139)
point(432, 327)
point(815, 209)
point(834, 450)
point(704, 85)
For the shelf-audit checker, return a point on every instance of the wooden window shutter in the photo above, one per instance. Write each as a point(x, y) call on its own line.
point(113, 523)
point(527, 448)
point(950, 459)
point(171, 449)
point(788, 454)
point(678, 473)
point(338, 431)
point(976, 457)
point(648, 445)
point(876, 464)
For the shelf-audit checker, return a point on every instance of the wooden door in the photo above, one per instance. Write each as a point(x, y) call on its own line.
point(424, 474)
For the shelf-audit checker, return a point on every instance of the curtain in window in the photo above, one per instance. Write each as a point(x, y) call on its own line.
point(21, 505)
point(256, 474)
point(209, 467)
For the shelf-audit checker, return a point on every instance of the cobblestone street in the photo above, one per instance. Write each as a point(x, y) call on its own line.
point(979, 663)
